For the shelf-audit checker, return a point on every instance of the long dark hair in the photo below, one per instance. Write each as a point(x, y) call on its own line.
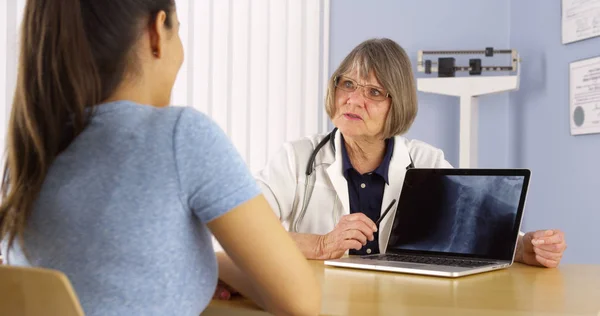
point(73, 55)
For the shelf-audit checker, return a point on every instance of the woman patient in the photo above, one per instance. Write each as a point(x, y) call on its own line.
point(106, 183)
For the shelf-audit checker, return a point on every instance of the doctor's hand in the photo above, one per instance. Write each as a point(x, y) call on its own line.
point(543, 248)
point(352, 232)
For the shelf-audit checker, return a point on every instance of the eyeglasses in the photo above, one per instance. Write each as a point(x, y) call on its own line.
point(370, 92)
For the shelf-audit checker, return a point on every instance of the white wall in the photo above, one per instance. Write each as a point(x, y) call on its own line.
point(3, 73)
point(258, 67)
point(11, 13)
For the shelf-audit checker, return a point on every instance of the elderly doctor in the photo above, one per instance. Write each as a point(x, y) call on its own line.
point(358, 169)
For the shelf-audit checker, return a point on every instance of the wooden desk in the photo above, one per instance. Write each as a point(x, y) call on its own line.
point(518, 290)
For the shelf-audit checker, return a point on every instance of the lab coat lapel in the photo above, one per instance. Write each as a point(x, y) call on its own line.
point(336, 176)
point(397, 170)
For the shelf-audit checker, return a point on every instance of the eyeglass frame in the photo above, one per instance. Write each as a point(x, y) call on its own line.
point(335, 84)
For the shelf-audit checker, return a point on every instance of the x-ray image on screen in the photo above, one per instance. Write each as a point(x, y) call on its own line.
point(468, 214)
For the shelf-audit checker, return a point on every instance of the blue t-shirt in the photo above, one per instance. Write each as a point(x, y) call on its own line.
point(123, 210)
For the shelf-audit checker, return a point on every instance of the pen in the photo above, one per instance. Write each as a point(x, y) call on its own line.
point(385, 213)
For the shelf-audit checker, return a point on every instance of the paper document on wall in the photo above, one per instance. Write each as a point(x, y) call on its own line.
point(580, 20)
point(585, 96)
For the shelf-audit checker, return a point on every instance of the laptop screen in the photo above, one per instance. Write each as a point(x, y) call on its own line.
point(467, 212)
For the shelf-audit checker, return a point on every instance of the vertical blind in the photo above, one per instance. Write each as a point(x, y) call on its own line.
point(257, 67)
point(11, 14)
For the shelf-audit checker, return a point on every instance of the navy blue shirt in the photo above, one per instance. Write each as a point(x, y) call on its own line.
point(366, 191)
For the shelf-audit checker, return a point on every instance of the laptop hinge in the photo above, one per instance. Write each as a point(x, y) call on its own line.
point(445, 256)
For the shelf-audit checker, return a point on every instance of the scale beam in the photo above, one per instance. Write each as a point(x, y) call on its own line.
point(468, 89)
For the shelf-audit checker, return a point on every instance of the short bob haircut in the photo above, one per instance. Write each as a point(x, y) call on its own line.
point(392, 68)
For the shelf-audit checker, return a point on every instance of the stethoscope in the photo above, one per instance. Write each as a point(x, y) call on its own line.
point(311, 177)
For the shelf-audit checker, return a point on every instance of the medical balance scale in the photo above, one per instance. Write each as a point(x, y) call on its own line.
point(467, 88)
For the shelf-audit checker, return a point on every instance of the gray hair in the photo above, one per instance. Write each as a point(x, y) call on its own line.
point(392, 68)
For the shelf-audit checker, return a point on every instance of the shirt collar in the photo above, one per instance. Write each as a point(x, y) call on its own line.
point(383, 168)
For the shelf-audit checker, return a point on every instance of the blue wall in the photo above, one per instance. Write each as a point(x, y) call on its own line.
point(565, 188)
point(433, 24)
point(513, 126)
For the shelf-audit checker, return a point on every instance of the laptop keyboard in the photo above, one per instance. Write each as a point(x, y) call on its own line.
point(454, 262)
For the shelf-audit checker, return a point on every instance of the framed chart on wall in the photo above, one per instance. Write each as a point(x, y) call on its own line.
point(580, 20)
point(584, 96)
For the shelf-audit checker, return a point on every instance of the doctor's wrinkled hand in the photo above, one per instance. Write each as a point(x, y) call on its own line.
point(543, 248)
point(352, 232)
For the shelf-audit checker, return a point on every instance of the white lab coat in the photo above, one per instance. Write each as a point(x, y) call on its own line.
point(283, 182)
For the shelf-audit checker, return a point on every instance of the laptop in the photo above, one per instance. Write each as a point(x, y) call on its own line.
point(452, 223)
